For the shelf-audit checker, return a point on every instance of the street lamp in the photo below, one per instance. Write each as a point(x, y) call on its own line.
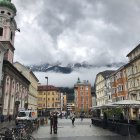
point(46, 95)
point(47, 80)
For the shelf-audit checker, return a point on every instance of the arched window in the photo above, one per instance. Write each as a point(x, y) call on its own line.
point(17, 87)
point(1, 31)
point(138, 83)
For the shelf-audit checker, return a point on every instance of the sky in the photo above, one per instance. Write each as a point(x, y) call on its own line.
point(98, 32)
point(69, 31)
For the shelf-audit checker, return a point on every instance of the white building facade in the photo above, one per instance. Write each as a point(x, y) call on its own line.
point(133, 74)
point(102, 84)
point(32, 96)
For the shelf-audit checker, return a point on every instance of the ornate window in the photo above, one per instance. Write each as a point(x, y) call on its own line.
point(17, 87)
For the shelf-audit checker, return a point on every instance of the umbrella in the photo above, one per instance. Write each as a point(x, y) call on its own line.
point(127, 103)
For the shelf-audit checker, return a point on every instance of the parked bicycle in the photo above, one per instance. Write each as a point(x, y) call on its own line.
point(15, 134)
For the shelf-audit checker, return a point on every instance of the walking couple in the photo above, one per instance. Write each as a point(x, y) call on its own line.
point(53, 122)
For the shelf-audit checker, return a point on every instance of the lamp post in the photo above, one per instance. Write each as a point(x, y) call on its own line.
point(46, 95)
point(47, 80)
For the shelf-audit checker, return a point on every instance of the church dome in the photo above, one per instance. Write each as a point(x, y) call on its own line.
point(8, 4)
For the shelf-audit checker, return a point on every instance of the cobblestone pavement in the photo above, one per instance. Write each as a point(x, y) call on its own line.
point(81, 131)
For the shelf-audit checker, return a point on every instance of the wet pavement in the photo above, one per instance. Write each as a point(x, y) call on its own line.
point(7, 124)
point(81, 131)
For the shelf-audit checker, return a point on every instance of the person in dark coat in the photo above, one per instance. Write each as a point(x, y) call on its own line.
point(73, 119)
point(55, 121)
point(82, 116)
point(51, 122)
point(9, 118)
point(2, 118)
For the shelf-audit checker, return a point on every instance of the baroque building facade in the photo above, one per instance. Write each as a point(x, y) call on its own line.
point(14, 86)
point(15, 89)
point(133, 74)
point(2, 52)
point(119, 85)
point(102, 84)
point(122, 84)
point(83, 100)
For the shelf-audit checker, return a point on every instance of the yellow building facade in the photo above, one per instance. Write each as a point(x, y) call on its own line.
point(48, 98)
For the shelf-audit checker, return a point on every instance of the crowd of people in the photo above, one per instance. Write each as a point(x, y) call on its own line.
point(54, 121)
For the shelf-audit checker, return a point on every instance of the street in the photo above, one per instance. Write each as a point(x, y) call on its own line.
point(81, 131)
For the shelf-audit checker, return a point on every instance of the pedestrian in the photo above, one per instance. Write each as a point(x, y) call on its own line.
point(9, 118)
point(73, 119)
point(51, 122)
point(2, 118)
point(61, 115)
point(66, 115)
point(55, 122)
point(82, 116)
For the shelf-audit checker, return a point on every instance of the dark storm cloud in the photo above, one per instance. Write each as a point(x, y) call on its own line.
point(56, 16)
point(76, 30)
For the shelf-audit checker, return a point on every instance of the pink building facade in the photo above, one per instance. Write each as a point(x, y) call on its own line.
point(14, 86)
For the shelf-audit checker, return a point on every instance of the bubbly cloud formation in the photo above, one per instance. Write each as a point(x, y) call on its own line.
point(96, 31)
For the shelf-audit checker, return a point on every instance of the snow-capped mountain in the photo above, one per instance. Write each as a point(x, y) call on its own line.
point(58, 68)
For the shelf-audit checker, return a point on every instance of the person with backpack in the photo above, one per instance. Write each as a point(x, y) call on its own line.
point(73, 119)
point(55, 121)
point(51, 122)
point(2, 118)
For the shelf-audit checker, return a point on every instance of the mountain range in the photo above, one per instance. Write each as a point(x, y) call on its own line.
point(58, 68)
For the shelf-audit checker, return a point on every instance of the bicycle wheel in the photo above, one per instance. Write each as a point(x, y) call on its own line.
point(30, 137)
point(2, 136)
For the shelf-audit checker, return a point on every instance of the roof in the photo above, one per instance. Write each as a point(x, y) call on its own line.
point(84, 83)
point(119, 69)
point(78, 81)
point(131, 62)
point(15, 70)
point(106, 73)
point(8, 4)
point(128, 103)
point(47, 88)
point(133, 50)
point(31, 72)
point(125, 103)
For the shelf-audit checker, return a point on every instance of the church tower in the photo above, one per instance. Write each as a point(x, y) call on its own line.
point(8, 27)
